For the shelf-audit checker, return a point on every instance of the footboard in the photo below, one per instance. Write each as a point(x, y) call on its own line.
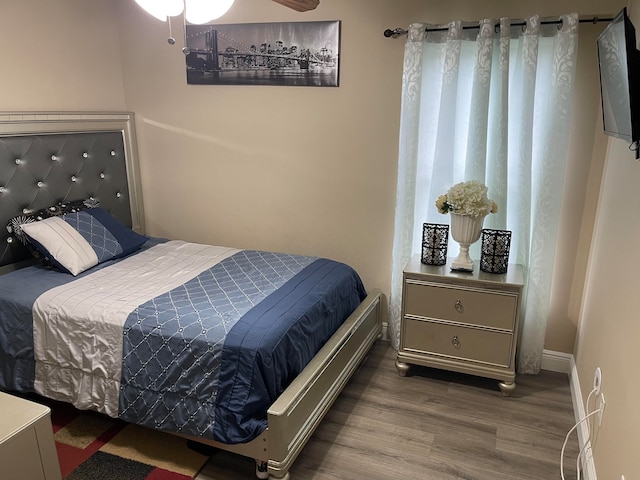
point(296, 413)
point(294, 416)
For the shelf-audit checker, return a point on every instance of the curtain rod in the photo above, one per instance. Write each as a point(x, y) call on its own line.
point(396, 32)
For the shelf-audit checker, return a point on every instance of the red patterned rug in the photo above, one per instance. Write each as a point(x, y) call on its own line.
point(92, 446)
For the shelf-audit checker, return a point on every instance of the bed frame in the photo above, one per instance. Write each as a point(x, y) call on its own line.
point(51, 157)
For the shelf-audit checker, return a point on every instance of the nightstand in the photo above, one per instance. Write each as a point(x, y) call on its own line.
point(27, 446)
point(465, 322)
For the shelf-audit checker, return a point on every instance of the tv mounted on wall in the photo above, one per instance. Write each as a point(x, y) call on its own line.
point(619, 64)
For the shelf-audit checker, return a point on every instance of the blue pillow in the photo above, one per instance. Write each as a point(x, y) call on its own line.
point(86, 238)
point(108, 236)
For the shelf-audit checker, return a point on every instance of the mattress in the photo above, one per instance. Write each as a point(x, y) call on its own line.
point(181, 337)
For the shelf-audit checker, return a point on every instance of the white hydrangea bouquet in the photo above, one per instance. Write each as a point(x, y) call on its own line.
point(467, 198)
point(468, 204)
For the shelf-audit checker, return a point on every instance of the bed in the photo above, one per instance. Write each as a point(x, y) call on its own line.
point(263, 402)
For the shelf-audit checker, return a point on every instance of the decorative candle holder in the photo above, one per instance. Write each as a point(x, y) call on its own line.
point(435, 237)
point(495, 250)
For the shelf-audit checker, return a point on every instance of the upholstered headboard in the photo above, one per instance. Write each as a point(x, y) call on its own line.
point(48, 158)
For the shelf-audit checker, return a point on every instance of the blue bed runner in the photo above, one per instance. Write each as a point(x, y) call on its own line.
point(209, 357)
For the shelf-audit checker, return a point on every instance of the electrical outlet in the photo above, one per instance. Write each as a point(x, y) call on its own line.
point(601, 405)
point(597, 381)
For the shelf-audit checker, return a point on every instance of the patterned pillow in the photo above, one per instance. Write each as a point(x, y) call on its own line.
point(13, 227)
point(77, 240)
point(64, 246)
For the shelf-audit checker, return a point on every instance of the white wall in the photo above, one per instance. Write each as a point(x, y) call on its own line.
point(610, 327)
point(60, 55)
point(609, 330)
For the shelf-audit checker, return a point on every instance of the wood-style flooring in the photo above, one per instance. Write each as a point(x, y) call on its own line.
point(431, 425)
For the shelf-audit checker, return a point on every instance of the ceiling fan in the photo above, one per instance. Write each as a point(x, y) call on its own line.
point(199, 12)
point(299, 5)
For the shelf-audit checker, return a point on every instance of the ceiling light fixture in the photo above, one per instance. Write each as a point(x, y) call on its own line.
point(162, 9)
point(196, 11)
point(203, 11)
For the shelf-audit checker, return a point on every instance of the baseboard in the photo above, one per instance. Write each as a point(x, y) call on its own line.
point(385, 331)
point(588, 465)
point(556, 361)
point(565, 363)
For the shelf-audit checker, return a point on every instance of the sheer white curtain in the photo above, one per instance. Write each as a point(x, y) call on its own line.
point(491, 104)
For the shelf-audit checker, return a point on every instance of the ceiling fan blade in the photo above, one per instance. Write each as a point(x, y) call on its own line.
point(299, 5)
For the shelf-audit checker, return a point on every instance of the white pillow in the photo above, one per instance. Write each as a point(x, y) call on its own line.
point(63, 243)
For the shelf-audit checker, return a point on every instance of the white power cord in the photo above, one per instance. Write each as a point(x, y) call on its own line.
point(578, 464)
point(566, 438)
point(596, 390)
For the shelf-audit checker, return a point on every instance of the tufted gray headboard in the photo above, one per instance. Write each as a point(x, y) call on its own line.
point(47, 158)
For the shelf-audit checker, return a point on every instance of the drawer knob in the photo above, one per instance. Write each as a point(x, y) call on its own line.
point(458, 306)
point(455, 342)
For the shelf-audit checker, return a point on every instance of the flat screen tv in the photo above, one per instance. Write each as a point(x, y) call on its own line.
point(619, 64)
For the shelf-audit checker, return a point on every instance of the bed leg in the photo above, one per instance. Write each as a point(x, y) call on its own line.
point(262, 469)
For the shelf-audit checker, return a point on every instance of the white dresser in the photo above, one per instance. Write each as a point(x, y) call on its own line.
point(461, 321)
point(27, 447)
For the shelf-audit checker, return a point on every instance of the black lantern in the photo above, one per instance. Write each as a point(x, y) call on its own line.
point(495, 250)
point(434, 243)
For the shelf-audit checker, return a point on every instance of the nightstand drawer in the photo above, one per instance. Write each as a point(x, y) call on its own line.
point(457, 342)
point(474, 307)
point(27, 446)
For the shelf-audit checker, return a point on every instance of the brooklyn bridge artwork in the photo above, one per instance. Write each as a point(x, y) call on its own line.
point(290, 54)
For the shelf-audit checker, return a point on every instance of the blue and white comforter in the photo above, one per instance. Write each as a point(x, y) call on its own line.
point(182, 337)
